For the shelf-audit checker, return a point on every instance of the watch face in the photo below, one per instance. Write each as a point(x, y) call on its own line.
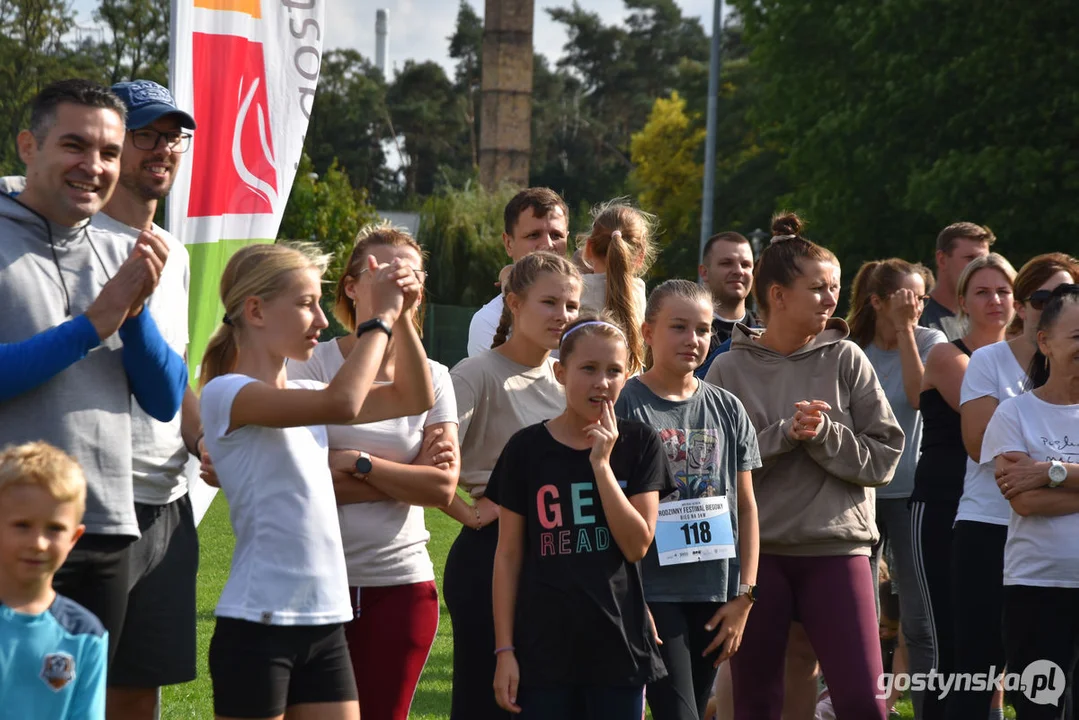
point(1058, 473)
point(363, 465)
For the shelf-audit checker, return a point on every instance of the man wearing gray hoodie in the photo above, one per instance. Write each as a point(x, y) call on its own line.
point(75, 344)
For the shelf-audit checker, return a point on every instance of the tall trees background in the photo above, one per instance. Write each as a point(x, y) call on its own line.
point(879, 121)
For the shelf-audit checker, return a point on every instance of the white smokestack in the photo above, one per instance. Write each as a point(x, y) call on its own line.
point(382, 39)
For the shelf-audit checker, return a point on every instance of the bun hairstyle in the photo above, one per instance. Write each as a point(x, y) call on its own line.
point(1034, 274)
point(602, 324)
point(780, 263)
point(344, 309)
point(622, 236)
point(994, 261)
point(1061, 295)
point(262, 271)
point(678, 288)
point(523, 275)
point(878, 278)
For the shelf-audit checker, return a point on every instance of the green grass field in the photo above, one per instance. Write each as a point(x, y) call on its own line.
point(195, 699)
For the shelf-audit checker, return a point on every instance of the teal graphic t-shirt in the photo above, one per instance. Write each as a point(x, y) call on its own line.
point(708, 439)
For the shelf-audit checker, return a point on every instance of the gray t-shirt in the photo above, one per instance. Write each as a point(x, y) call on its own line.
point(889, 371)
point(938, 317)
point(708, 439)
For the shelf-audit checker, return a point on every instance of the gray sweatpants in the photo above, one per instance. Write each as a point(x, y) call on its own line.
point(893, 521)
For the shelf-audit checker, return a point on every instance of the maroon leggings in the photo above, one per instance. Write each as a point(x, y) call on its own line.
point(833, 598)
point(389, 641)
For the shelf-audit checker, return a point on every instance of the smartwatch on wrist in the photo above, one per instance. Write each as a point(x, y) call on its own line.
point(363, 464)
point(374, 323)
point(1058, 473)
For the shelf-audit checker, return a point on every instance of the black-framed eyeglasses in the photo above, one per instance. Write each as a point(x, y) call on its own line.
point(148, 139)
point(1038, 298)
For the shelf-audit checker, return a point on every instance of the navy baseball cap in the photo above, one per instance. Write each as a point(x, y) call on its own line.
point(147, 101)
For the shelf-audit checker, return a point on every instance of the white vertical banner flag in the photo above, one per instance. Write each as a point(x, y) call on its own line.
point(248, 70)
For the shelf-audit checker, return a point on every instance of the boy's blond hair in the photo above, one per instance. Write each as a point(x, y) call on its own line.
point(51, 469)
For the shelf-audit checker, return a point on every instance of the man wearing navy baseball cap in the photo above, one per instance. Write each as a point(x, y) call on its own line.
point(157, 644)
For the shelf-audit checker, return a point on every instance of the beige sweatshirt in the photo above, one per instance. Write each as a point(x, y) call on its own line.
point(814, 497)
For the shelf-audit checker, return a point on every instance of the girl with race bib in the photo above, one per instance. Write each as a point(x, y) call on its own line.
point(579, 497)
point(279, 643)
point(700, 573)
point(385, 473)
point(499, 392)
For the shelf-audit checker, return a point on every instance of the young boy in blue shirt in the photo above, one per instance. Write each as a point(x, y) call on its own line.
point(52, 650)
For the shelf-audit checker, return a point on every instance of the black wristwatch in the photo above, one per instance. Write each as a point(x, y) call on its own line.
point(363, 464)
point(374, 324)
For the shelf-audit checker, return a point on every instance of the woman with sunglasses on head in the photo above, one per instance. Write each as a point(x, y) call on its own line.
point(986, 307)
point(994, 374)
point(886, 300)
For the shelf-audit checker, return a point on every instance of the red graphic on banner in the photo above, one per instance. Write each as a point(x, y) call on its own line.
point(233, 169)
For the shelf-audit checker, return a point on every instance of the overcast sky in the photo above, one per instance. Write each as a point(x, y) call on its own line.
point(419, 29)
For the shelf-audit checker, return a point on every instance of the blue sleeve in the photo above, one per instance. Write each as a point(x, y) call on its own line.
point(157, 374)
point(89, 698)
point(27, 364)
point(700, 372)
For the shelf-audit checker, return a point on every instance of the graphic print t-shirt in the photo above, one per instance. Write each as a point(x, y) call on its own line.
point(708, 439)
point(1041, 550)
point(580, 618)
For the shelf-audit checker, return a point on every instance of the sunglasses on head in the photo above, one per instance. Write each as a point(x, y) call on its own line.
point(1038, 298)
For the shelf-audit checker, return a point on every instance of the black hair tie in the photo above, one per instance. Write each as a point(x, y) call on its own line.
point(227, 320)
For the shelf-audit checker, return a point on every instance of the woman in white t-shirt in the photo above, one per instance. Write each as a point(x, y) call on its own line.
point(279, 642)
point(1033, 439)
point(995, 373)
point(385, 473)
point(499, 392)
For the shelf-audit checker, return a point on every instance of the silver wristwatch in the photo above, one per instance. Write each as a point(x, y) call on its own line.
point(1057, 473)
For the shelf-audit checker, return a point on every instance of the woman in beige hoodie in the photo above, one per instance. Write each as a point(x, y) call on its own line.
point(827, 438)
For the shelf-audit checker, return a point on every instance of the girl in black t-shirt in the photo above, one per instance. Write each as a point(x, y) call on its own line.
point(579, 498)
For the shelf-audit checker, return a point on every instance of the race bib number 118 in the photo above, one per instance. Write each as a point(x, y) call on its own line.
point(694, 531)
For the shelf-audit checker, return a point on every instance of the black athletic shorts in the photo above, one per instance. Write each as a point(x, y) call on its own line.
point(259, 670)
point(157, 646)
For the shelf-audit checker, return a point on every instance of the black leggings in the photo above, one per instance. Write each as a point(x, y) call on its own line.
point(683, 694)
point(467, 591)
point(931, 534)
point(978, 602)
point(1042, 624)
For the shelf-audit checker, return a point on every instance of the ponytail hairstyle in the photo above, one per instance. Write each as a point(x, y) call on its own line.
point(684, 289)
point(1034, 274)
point(779, 263)
point(524, 274)
point(260, 270)
point(623, 236)
point(344, 309)
point(879, 278)
point(602, 324)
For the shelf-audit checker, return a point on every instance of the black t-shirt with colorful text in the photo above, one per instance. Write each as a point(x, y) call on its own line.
point(580, 617)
